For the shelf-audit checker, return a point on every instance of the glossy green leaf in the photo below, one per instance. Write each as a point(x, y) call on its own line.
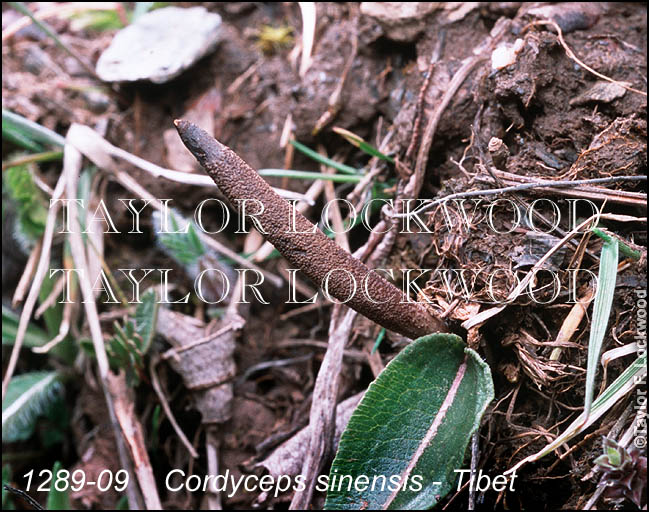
point(414, 421)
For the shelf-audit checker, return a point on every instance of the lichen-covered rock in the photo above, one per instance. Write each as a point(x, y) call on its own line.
point(159, 45)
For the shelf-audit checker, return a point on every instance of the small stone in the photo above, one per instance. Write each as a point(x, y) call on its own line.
point(602, 92)
point(401, 21)
point(97, 101)
point(35, 60)
point(160, 45)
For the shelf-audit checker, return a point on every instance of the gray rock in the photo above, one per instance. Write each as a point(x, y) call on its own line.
point(159, 45)
point(601, 92)
point(401, 21)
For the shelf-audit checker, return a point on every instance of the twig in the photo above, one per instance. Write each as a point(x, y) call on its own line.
point(26, 277)
point(517, 188)
point(308, 10)
point(72, 160)
point(585, 191)
point(134, 436)
point(155, 381)
point(46, 156)
point(322, 420)
point(475, 458)
point(489, 313)
point(64, 329)
point(41, 268)
point(212, 450)
point(416, 181)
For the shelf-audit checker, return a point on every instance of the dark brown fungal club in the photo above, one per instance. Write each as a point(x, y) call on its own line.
point(311, 251)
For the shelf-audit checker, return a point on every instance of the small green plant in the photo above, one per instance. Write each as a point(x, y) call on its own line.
point(186, 248)
point(130, 343)
point(29, 200)
point(624, 473)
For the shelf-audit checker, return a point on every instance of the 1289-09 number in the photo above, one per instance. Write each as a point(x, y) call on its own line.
point(75, 481)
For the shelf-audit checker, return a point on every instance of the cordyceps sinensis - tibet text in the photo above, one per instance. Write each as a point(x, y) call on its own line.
point(305, 246)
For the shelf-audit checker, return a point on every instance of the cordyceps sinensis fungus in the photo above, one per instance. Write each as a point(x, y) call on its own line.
point(307, 247)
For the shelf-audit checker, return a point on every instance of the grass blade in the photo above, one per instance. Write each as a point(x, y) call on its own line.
point(346, 169)
point(23, 9)
point(601, 313)
point(16, 127)
point(57, 500)
point(361, 144)
point(34, 337)
point(308, 175)
point(631, 377)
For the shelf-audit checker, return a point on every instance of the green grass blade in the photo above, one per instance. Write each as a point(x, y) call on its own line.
point(23, 9)
point(14, 125)
point(146, 315)
point(346, 169)
point(308, 175)
point(601, 313)
point(361, 144)
point(624, 249)
point(632, 376)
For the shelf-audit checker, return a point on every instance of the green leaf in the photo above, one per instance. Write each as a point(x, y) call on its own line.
point(30, 202)
point(27, 133)
point(57, 500)
point(34, 337)
point(186, 248)
point(29, 396)
point(146, 315)
point(415, 420)
point(601, 312)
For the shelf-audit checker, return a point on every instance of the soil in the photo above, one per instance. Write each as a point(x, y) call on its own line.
point(542, 108)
